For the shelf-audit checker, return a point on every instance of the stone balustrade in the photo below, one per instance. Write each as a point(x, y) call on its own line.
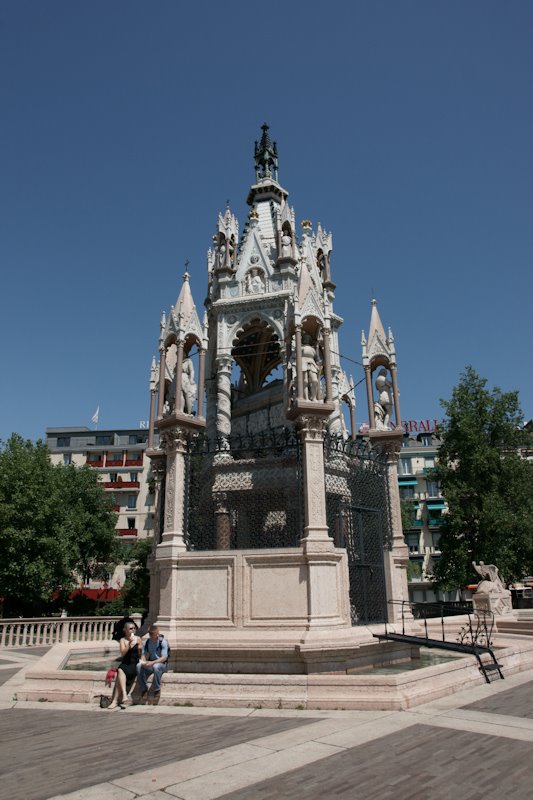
point(42, 631)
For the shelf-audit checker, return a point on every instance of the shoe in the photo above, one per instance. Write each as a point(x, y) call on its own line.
point(144, 698)
point(155, 698)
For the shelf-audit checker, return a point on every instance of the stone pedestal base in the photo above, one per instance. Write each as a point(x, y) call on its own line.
point(499, 603)
point(281, 611)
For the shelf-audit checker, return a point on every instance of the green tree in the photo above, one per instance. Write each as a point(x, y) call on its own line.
point(56, 523)
point(487, 486)
point(407, 508)
point(134, 594)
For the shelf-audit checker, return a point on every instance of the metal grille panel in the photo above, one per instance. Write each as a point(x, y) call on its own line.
point(244, 492)
point(357, 507)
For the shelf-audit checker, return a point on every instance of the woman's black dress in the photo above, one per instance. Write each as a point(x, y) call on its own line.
point(129, 662)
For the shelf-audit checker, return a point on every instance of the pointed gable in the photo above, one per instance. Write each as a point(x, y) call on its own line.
point(189, 321)
point(377, 340)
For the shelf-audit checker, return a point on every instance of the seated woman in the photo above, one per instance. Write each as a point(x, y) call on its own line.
point(130, 650)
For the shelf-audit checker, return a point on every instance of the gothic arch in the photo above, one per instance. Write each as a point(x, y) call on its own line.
point(256, 349)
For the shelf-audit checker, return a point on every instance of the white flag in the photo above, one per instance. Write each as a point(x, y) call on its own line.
point(94, 417)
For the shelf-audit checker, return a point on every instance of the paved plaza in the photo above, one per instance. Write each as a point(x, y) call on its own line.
point(473, 744)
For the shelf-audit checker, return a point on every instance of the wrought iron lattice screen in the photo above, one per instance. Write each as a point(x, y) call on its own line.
point(358, 515)
point(243, 492)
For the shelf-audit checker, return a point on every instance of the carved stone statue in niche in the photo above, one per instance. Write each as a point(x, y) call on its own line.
point(254, 283)
point(383, 406)
point(286, 244)
point(310, 369)
point(188, 386)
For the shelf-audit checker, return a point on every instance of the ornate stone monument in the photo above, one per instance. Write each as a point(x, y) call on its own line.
point(491, 594)
point(279, 529)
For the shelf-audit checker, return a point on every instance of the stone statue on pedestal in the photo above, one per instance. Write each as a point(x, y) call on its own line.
point(491, 594)
point(310, 370)
point(286, 245)
point(188, 386)
point(383, 406)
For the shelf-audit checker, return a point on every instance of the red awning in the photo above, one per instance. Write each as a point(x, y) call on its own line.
point(98, 595)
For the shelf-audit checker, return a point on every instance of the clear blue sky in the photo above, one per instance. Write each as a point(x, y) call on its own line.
point(403, 127)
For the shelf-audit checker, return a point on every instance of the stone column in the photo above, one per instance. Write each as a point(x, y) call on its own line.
point(201, 382)
point(299, 374)
point(397, 557)
point(224, 395)
point(172, 542)
point(352, 422)
point(327, 365)
point(312, 432)
point(158, 461)
point(178, 400)
point(396, 396)
point(162, 370)
point(370, 397)
point(222, 523)
point(152, 417)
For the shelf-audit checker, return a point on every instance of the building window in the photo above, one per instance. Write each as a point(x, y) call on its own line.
point(137, 438)
point(406, 466)
point(407, 492)
point(113, 477)
point(427, 441)
point(67, 458)
point(102, 440)
point(435, 540)
point(132, 501)
point(133, 477)
point(429, 463)
point(433, 489)
point(406, 441)
point(94, 457)
point(412, 542)
point(131, 523)
point(63, 441)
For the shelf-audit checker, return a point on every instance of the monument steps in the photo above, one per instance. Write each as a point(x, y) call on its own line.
point(48, 681)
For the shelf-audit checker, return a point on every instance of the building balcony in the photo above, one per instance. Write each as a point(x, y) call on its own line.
point(116, 507)
point(121, 484)
point(114, 462)
point(99, 463)
point(435, 523)
point(134, 462)
point(127, 531)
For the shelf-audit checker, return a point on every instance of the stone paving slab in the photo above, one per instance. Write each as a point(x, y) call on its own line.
point(516, 702)
point(6, 674)
point(47, 752)
point(30, 651)
point(420, 763)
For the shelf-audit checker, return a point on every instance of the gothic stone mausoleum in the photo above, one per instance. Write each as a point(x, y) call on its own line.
point(279, 536)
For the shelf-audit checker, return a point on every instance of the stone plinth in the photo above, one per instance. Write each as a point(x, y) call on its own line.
point(257, 610)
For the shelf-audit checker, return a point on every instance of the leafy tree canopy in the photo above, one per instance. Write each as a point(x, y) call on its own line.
point(486, 484)
point(56, 524)
point(135, 592)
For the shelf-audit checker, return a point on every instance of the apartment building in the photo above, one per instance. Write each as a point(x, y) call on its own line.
point(427, 507)
point(118, 457)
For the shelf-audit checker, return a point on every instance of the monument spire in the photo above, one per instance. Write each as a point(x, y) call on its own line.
point(266, 157)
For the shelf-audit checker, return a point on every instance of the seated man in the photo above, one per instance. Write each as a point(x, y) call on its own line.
point(153, 661)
